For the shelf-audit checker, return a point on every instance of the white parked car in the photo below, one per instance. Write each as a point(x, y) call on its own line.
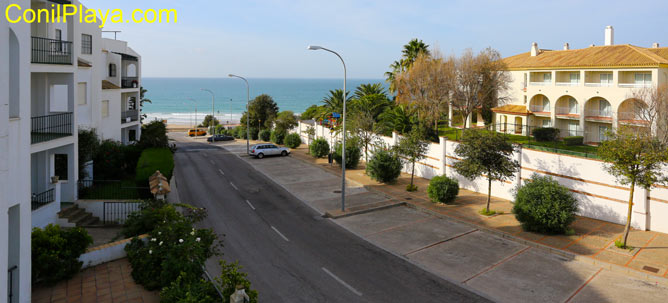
point(262, 150)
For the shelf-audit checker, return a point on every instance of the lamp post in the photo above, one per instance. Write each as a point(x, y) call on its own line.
point(343, 147)
point(213, 97)
point(230, 121)
point(247, 111)
point(194, 102)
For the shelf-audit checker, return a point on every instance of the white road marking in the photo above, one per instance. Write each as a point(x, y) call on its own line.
point(355, 291)
point(221, 171)
point(251, 205)
point(205, 156)
point(212, 162)
point(280, 234)
point(235, 187)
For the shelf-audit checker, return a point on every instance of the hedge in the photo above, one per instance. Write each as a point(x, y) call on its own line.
point(319, 148)
point(293, 140)
point(546, 134)
point(153, 159)
point(574, 140)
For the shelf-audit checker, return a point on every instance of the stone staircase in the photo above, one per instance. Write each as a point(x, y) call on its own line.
point(79, 217)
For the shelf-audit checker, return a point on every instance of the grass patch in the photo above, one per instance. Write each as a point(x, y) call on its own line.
point(123, 189)
point(621, 245)
point(153, 159)
point(491, 212)
point(411, 187)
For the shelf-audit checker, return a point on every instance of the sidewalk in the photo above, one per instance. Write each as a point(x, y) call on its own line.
point(592, 238)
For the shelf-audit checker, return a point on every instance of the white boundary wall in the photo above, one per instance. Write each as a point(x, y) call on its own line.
point(600, 196)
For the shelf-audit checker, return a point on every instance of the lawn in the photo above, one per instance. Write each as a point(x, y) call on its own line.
point(121, 189)
point(455, 134)
point(153, 159)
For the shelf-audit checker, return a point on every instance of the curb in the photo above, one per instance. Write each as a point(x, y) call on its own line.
point(383, 205)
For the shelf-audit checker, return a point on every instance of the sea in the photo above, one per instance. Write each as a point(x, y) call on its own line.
point(177, 99)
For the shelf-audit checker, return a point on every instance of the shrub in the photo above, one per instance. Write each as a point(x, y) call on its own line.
point(278, 136)
point(235, 132)
point(293, 140)
point(384, 166)
point(231, 276)
point(443, 189)
point(574, 140)
point(154, 134)
point(153, 159)
point(543, 205)
point(241, 133)
point(353, 155)
point(546, 134)
point(265, 135)
point(319, 148)
point(56, 251)
point(254, 132)
point(109, 161)
point(181, 290)
point(151, 214)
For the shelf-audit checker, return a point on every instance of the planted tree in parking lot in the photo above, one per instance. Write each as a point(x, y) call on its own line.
point(413, 148)
point(486, 153)
point(634, 158)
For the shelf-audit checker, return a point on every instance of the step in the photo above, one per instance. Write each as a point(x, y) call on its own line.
point(68, 211)
point(90, 221)
point(80, 217)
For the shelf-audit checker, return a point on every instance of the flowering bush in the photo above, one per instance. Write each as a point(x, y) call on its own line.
point(200, 291)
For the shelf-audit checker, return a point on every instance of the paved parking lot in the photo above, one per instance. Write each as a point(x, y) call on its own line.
point(504, 270)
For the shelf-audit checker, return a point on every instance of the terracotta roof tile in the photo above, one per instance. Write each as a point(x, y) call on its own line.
point(82, 63)
point(108, 85)
point(512, 109)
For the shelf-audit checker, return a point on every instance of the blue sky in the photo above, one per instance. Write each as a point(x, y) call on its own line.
point(268, 39)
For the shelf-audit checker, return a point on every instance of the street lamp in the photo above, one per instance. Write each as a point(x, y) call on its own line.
point(194, 102)
point(343, 148)
point(213, 117)
point(247, 111)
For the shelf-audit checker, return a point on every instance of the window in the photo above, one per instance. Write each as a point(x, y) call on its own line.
point(546, 104)
point(572, 106)
point(112, 70)
point(132, 135)
point(547, 77)
point(59, 37)
point(573, 128)
point(575, 78)
point(606, 79)
point(546, 123)
point(60, 166)
point(81, 93)
point(524, 85)
point(602, 133)
point(105, 108)
point(86, 44)
point(643, 79)
point(604, 108)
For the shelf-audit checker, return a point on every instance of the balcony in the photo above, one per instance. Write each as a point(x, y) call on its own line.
point(129, 82)
point(631, 118)
point(50, 127)
point(597, 84)
point(542, 83)
point(567, 113)
point(597, 115)
point(51, 51)
point(129, 116)
point(634, 85)
point(539, 110)
point(567, 84)
point(41, 199)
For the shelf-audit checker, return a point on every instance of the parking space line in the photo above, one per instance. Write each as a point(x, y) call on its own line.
point(402, 225)
point(497, 264)
point(251, 205)
point(280, 234)
point(221, 171)
point(212, 162)
point(355, 291)
point(583, 285)
point(235, 187)
point(440, 242)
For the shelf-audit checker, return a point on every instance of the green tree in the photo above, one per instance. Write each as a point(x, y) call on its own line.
point(486, 153)
point(262, 109)
point(399, 118)
point(333, 102)
point(369, 89)
point(413, 148)
point(362, 126)
point(286, 120)
point(634, 158)
point(408, 56)
point(89, 143)
point(311, 112)
point(207, 122)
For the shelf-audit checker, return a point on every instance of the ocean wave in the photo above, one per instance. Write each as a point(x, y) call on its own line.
point(190, 118)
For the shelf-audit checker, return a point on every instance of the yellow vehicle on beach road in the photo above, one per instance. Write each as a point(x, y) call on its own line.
point(196, 132)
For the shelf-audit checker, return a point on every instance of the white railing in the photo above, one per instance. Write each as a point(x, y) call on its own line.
point(568, 83)
point(565, 110)
point(594, 84)
point(540, 83)
point(634, 85)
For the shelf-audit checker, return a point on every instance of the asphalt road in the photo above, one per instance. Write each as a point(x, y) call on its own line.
point(291, 253)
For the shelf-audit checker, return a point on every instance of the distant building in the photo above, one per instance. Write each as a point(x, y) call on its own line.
point(54, 79)
point(583, 92)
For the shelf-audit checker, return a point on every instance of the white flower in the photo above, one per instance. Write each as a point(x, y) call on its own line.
point(160, 243)
point(192, 233)
point(150, 252)
point(153, 239)
point(197, 239)
point(159, 233)
point(180, 240)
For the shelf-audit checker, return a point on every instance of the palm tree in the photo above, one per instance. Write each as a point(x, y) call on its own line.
point(369, 89)
point(400, 118)
point(409, 54)
point(334, 101)
point(142, 100)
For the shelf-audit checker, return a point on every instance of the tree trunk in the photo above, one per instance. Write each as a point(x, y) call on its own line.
point(412, 173)
point(489, 192)
point(627, 228)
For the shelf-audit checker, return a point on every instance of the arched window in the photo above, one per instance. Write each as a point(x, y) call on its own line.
point(112, 70)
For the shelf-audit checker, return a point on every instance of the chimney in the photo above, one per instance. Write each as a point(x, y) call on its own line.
point(655, 45)
point(566, 46)
point(592, 45)
point(534, 49)
point(609, 35)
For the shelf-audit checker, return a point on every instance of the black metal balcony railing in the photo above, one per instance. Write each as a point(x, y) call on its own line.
point(129, 116)
point(41, 199)
point(10, 279)
point(51, 51)
point(50, 127)
point(129, 82)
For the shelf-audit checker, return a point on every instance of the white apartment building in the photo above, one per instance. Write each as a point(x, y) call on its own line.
point(54, 79)
point(583, 92)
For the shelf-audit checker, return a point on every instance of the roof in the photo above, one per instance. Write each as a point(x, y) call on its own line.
point(108, 85)
point(158, 183)
point(609, 56)
point(83, 63)
point(512, 109)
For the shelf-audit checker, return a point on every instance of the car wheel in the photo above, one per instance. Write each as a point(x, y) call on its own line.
point(284, 153)
point(260, 155)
